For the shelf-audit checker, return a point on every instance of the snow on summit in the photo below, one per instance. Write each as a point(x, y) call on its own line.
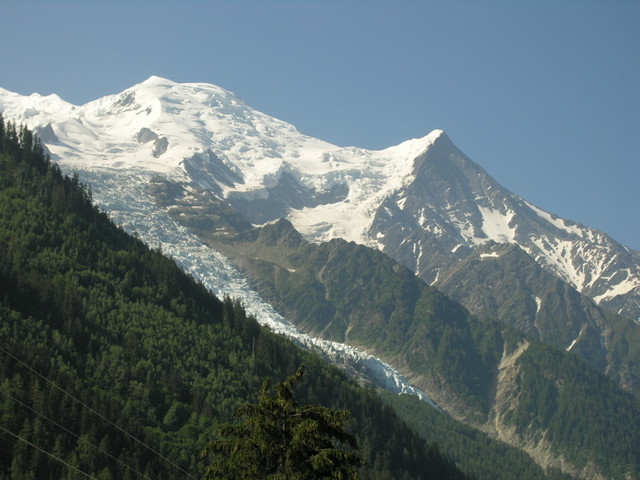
point(158, 125)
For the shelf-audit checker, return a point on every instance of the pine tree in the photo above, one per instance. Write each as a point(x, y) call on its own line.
point(279, 440)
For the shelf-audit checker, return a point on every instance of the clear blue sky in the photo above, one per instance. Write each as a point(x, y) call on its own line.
point(545, 95)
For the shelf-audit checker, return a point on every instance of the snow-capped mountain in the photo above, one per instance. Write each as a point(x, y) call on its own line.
point(185, 165)
point(202, 133)
point(423, 195)
point(120, 173)
point(451, 205)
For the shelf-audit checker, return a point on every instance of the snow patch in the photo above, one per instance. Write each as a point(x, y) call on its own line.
point(496, 225)
point(435, 280)
point(575, 340)
point(622, 288)
point(419, 258)
point(556, 221)
point(467, 232)
point(572, 344)
point(456, 248)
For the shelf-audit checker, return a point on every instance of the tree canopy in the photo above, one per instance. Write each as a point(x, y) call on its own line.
point(278, 439)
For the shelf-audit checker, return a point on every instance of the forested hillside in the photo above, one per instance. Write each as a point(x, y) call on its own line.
point(96, 328)
point(502, 281)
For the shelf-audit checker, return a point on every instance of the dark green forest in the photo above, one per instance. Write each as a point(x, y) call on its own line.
point(472, 450)
point(116, 364)
point(279, 439)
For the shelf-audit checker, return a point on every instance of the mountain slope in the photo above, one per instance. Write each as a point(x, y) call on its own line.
point(122, 329)
point(488, 375)
point(353, 294)
point(422, 195)
point(501, 281)
point(451, 205)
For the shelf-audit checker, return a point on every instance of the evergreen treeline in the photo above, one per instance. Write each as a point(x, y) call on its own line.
point(120, 327)
point(560, 399)
point(278, 439)
point(609, 438)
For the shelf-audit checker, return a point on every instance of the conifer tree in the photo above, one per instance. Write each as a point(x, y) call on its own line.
point(279, 440)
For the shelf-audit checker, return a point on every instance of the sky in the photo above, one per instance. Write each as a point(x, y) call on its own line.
point(544, 94)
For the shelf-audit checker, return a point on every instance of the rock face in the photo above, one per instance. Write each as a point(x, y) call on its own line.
point(452, 206)
point(145, 135)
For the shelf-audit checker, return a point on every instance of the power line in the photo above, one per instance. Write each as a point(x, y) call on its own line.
point(100, 415)
point(47, 453)
point(74, 434)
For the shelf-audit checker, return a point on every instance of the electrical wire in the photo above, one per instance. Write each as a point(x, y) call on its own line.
point(99, 415)
point(100, 450)
point(47, 453)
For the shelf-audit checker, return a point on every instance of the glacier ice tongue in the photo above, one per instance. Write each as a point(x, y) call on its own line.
point(122, 195)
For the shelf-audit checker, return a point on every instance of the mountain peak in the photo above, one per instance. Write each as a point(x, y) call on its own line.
point(197, 92)
point(156, 80)
point(281, 231)
point(35, 110)
point(435, 134)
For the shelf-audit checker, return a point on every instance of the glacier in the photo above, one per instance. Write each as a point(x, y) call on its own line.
point(123, 197)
